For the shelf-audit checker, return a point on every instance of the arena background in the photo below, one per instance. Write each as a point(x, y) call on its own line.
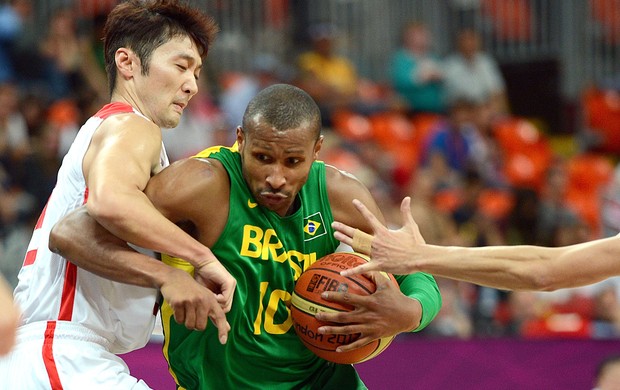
point(550, 51)
point(552, 55)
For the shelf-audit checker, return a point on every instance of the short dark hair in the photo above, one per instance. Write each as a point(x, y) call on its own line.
point(284, 107)
point(144, 25)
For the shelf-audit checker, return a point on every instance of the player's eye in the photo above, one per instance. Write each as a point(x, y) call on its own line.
point(262, 157)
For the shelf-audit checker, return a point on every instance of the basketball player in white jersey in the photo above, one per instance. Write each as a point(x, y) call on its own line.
point(74, 322)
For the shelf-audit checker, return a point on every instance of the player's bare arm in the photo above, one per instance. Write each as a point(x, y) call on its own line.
point(386, 312)
point(121, 159)
point(504, 267)
point(195, 193)
point(528, 267)
point(106, 255)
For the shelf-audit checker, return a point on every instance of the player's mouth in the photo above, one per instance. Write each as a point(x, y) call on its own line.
point(179, 106)
point(272, 200)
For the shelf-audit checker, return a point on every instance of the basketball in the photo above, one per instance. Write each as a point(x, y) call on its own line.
point(324, 275)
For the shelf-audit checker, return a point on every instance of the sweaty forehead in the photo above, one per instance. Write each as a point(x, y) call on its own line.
point(288, 141)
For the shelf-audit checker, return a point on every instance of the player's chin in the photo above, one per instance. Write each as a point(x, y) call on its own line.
point(171, 121)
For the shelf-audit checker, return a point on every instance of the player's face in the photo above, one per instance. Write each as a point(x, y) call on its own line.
point(276, 164)
point(171, 81)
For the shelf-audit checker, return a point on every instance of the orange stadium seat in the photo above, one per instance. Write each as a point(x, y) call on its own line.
point(448, 200)
point(587, 207)
point(517, 134)
point(390, 128)
point(602, 116)
point(496, 203)
point(588, 172)
point(395, 133)
point(587, 175)
point(527, 152)
point(352, 126)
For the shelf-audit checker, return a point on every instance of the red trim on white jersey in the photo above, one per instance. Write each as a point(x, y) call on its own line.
point(113, 109)
point(53, 289)
point(48, 357)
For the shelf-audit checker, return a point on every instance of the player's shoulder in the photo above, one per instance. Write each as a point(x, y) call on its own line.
point(336, 177)
point(130, 123)
point(190, 177)
point(342, 185)
point(197, 168)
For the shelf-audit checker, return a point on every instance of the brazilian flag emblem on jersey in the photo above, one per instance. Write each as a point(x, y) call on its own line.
point(314, 226)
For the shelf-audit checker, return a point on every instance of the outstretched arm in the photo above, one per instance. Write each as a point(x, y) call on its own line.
point(79, 238)
point(519, 267)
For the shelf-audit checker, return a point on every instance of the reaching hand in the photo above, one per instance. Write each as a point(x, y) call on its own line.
point(214, 276)
point(392, 251)
point(193, 304)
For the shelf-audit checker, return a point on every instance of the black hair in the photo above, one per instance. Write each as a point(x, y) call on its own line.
point(284, 107)
point(144, 25)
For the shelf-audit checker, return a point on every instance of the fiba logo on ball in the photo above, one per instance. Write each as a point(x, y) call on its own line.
point(324, 275)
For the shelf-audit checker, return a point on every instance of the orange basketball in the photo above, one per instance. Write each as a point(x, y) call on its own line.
point(324, 275)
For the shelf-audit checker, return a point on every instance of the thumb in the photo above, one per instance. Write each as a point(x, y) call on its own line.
point(409, 222)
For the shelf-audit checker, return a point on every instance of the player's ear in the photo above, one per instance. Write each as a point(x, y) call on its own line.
point(317, 147)
point(240, 137)
point(126, 62)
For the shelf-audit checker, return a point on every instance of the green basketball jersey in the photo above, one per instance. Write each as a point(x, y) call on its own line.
point(266, 254)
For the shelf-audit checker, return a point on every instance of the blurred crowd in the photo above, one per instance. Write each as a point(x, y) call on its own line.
point(440, 130)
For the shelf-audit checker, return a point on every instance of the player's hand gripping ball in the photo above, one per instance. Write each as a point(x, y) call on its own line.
point(324, 275)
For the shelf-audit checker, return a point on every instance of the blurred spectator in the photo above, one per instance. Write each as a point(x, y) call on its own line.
point(14, 141)
point(238, 88)
point(557, 224)
point(416, 73)
point(486, 154)
point(49, 128)
point(475, 228)
point(89, 29)
point(450, 140)
point(12, 18)
point(523, 309)
point(453, 320)
point(524, 217)
point(17, 206)
point(469, 72)
point(66, 55)
point(61, 50)
point(17, 210)
point(606, 321)
point(436, 226)
point(328, 77)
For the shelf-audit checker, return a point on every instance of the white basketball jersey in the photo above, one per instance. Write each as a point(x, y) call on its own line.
point(52, 289)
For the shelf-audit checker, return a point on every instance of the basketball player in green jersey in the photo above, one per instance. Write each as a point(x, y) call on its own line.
point(265, 208)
